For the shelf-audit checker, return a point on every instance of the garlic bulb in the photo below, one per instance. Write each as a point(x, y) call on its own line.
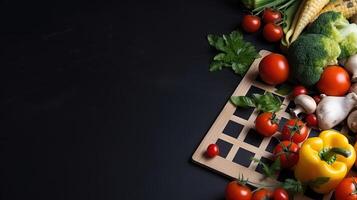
point(333, 110)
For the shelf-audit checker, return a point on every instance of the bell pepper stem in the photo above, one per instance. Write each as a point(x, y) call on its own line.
point(329, 155)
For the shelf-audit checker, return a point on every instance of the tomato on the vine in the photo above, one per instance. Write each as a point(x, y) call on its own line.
point(262, 194)
point(299, 90)
point(274, 69)
point(280, 194)
point(271, 16)
point(334, 81)
point(272, 32)
point(212, 150)
point(311, 120)
point(294, 130)
point(266, 124)
point(288, 153)
point(347, 189)
point(251, 23)
point(237, 191)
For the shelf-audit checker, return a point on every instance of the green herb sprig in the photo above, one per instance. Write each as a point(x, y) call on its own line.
point(234, 53)
point(265, 103)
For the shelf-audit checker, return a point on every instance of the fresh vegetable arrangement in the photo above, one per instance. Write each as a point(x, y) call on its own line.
point(317, 67)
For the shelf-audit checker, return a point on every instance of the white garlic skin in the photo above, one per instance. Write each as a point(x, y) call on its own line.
point(333, 110)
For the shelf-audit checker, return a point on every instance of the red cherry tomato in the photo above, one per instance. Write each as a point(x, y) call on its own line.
point(212, 150)
point(299, 90)
point(288, 153)
point(272, 32)
point(317, 99)
point(347, 189)
point(251, 23)
point(280, 194)
point(262, 194)
point(274, 69)
point(237, 191)
point(294, 130)
point(311, 120)
point(334, 81)
point(266, 124)
point(271, 16)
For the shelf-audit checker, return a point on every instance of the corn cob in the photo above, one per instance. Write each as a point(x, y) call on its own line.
point(311, 8)
point(347, 7)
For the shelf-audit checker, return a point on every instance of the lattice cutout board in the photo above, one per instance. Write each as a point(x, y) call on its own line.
point(233, 131)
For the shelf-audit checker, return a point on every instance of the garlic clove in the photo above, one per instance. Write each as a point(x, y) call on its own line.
point(333, 110)
point(351, 67)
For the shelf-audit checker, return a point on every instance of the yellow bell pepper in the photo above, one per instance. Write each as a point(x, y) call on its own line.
point(356, 152)
point(329, 155)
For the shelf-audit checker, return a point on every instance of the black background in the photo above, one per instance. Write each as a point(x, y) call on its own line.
point(108, 100)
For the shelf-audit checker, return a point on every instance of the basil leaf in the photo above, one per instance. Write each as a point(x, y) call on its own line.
point(267, 102)
point(242, 101)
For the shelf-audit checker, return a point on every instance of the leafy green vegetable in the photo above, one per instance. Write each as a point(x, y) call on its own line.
point(269, 171)
point(265, 103)
point(234, 53)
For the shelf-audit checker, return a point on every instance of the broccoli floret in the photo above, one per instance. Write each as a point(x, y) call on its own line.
point(309, 55)
point(335, 26)
point(349, 44)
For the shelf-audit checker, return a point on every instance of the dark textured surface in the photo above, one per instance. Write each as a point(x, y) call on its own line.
point(103, 100)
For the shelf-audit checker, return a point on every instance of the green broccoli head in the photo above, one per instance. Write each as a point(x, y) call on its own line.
point(309, 55)
point(335, 26)
point(329, 24)
point(349, 44)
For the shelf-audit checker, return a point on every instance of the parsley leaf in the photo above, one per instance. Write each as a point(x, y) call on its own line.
point(234, 53)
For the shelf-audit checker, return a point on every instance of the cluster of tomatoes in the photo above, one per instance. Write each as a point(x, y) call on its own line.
point(272, 31)
point(347, 189)
point(294, 131)
point(238, 191)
